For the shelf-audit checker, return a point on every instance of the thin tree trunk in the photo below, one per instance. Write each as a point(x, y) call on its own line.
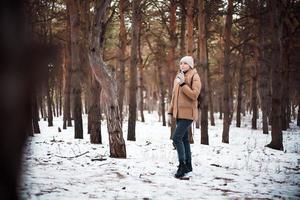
point(285, 77)
point(220, 107)
point(227, 35)
point(49, 106)
point(298, 117)
point(108, 83)
point(76, 70)
point(254, 97)
point(210, 101)
point(276, 24)
point(172, 50)
point(161, 92)
point(141, 79)
point(35, 112)
point(94, 113)
point(121, 57)
point(263, 72)
point(190, 25)
point(136, 24)
point(182, 26)
point(240, 90)
point(203, 69)
point(67, 79)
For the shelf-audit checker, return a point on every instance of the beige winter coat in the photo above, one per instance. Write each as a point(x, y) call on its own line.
point(184, 98)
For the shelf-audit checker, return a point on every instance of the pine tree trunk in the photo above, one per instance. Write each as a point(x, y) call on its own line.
point(67, 80)
point(107, 82)
point(263, 72)
point(210, 101)
point(49, 106)
point(190, 25)
point(121, 57)
point(141, 80)
point(298, 117)
point(285, 77)
point(136, 23)
point(35, 112)
point(220, 107)
point(203, 70)
point(226, 66)
point(276, 23)
point(94, 113)
point(161, 93)
point(182, 26)
point(76, 70)
point(240, 89)
point(171, 56)
point(254, 97)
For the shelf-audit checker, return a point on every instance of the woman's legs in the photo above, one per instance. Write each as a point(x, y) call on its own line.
point(187, 147)
point(180, 139)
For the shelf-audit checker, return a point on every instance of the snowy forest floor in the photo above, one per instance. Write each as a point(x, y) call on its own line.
point(57, 166)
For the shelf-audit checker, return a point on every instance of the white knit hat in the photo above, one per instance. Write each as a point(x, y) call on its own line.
point(188, 60)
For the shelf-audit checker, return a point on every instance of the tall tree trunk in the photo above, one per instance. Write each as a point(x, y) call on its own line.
point(108, 82)
point(240, 90)
point(162, 93)
point(263, 71)
point(121, 57)
point(276, 25)
point(203, 69)
point(254, 97)
point(210, 101)
point(136, 23)
point(190, 25)
point(173, 44)
point(298, 117)
point(141, 83)
point(220, 106)
point(67, 79)
point(49, 106)
point(285, 77)
point(226, 66)
point(94, 113)
point(76, 69)
point(35, 112)
point(182, 26)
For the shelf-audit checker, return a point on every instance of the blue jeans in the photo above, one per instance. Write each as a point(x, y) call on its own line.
point(181, 139)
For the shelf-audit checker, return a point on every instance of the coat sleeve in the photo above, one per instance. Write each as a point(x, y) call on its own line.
point(170, 109)
point(193, 92)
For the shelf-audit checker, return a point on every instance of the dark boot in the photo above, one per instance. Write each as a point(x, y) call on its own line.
point(188, 166)
point(181, 170)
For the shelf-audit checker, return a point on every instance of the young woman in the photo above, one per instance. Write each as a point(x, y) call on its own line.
point(183, 108)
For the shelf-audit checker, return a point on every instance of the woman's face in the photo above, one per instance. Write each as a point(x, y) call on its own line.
point(184, 66)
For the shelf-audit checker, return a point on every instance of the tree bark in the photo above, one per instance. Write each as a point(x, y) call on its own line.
point(276, 23)
point(203, 69)
point(35, 112)
point(226, 66)
point(76, 69)
point(254, 96)
point(141, 81)
point(263, 71)
point(94, 113)
point(107, 81)
point(49, 107)
point(240, 90)
point(190, 25)
point(136, 23)
point(67, 79)
point(182, 26)
point(121, 57)
point(173, 44)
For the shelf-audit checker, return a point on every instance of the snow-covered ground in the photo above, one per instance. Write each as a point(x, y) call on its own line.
point(244, 168)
